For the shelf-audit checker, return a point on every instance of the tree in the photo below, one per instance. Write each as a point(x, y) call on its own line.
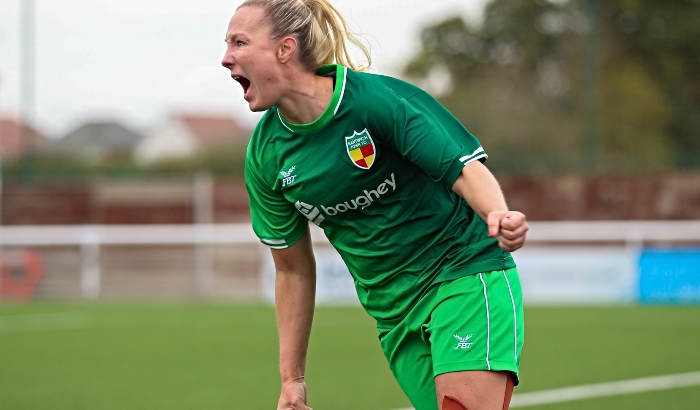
point(517, 81)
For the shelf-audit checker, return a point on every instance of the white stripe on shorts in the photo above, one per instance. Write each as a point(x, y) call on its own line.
point(515, 321)
point(488, 324)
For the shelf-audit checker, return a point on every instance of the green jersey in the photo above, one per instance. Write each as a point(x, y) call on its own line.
point(375, 172)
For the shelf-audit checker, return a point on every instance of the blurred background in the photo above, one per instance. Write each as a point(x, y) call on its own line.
point(122, 142)
point(120, 114)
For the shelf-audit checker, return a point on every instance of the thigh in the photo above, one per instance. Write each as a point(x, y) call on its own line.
point(474, 390)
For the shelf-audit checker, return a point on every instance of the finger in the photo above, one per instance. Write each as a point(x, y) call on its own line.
point(508, 239)
point(511, 245)
point(512, 220)
point(516, 233)
point(493, 221)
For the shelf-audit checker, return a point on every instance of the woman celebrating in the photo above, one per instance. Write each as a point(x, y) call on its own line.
point(398, 186)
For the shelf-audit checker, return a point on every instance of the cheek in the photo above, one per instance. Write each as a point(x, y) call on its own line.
point(269, 77)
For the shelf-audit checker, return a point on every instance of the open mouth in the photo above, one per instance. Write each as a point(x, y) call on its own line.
point(245, 83)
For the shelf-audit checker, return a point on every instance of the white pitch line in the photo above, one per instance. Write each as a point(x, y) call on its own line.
point(646, 384)
point(590, 391)
point(37, 322)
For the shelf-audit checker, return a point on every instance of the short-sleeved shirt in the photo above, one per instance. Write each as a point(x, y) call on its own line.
point(375, 172)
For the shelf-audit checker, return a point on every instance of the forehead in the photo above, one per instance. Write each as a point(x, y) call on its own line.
point(249, 21)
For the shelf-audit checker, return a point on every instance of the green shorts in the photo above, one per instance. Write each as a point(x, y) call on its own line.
point(470, 323)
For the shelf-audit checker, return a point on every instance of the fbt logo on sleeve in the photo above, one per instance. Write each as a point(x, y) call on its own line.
point(362, 201)
point(288, 176)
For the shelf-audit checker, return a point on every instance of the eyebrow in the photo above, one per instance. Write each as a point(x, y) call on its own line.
point(231, 37)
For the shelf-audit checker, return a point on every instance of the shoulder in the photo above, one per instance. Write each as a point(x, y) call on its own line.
point(265, 125)
point(259, 154)
point(388, 95)
point(380, 99)
point(264, 133)
point(383, 85)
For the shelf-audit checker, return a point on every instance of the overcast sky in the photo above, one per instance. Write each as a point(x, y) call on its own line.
point(136, 61)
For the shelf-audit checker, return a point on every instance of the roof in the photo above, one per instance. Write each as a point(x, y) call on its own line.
point(102, 136)
point(17, 138)
point(208, 129)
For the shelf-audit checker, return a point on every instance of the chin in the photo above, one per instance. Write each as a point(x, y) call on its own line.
point(258, 107)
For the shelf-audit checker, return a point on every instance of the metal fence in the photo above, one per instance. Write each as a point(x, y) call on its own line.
point(227, 261)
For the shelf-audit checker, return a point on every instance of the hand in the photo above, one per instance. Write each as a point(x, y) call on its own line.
point(293, 396)
point(509, 227)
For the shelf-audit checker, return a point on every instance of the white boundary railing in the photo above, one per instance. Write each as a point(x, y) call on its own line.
point(615, 231)
point(91, 237)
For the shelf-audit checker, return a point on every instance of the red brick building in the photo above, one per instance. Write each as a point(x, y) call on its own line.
point(17, 138)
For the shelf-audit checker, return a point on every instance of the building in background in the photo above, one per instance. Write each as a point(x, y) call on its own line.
point(185, 135)
point(96, 141)
point(17, 138)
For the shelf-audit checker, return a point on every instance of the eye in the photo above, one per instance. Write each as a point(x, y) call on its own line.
point(240, 43)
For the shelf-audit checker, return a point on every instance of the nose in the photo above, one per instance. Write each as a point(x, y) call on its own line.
point(228, 61)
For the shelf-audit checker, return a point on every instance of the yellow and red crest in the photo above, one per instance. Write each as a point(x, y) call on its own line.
point(361, 149)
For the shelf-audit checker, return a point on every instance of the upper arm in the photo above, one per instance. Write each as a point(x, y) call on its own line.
point(428, 135)
point(472, 175)
point(276, 221)
point(297, 258)
point(477, 185)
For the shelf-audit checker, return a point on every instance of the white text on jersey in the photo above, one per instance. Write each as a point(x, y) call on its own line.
point(310, 212)
point(362, 201)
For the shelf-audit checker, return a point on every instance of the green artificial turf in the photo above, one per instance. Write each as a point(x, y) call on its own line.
point(185, 355)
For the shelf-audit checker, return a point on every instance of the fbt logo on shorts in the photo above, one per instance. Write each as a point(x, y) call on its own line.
point(463, 341)
point(362, 202)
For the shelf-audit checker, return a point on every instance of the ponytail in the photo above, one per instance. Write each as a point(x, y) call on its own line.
point(319, 28)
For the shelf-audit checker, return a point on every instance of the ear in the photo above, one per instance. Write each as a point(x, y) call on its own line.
point(287, 48)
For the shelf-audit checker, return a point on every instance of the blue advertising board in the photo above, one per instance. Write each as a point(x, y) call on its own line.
point(669, 275)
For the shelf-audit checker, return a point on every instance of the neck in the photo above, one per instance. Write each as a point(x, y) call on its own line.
point(307, 98)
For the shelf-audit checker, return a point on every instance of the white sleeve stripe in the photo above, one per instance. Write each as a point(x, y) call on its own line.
point(276, 247)
point(273, 241)
point(469, 157)
point(475, 158)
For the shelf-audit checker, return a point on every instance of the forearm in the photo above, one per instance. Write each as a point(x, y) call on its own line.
point(480, 189)
point(294, 303)
point(295, 294)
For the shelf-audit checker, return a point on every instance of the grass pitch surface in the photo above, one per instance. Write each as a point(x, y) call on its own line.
point(224, 356)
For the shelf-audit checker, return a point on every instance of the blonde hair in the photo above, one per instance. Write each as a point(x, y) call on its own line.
point(320, 29)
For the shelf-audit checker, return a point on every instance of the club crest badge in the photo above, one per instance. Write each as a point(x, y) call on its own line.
point(361, 150)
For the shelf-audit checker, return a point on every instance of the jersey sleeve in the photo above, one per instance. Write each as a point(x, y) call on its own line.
point(276, 222)
point(428, 135)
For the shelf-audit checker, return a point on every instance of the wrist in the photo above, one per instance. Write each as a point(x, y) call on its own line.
point(294, 379)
